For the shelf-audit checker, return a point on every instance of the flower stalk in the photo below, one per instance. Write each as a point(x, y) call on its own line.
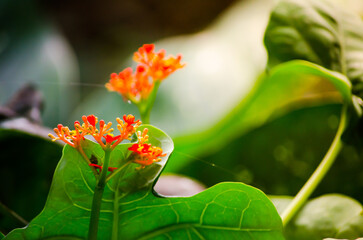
point(146, 106)
point(97, 197)
point(318, 174)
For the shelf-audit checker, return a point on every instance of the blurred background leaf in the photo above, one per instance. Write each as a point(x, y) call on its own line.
point(27, 166)
point(331, 215)
point(321, 32)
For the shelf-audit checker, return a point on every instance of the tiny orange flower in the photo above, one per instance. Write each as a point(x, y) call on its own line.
point(109, 138)
point(92, 119)
point(158, 67)
point(130, 119)
point(140, 148)
point(143, 153)
point(127, 128)
point(89, 124)
point(122, 83)
point(145, 54)
point(104, 130)
point(143, 86)
point(142, 137)
point(72, 138)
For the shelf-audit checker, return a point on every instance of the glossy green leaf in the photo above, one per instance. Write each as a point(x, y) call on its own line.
point(320, 32)
point(332, 215)
point(130, 210)
point(284, 85)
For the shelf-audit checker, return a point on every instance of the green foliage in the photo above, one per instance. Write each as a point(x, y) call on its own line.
point(130, 210)
point(322, 33)
point(25, 174)
point(319, 32)
point(283, 85)
point(331, 215)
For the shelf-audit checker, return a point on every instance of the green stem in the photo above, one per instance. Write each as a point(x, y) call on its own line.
point(146, 105)
point(97, 197)
point(318, 174)
point(145, 116)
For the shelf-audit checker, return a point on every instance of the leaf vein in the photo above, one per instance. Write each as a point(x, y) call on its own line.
point(150, 206)
point(84, 180)
point(175, 227)
point(198, 233)
point(243, 213)
point(133, 201)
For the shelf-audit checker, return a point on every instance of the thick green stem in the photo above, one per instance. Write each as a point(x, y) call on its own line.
point(318, 174)
point(97, 197)
point(145, 117)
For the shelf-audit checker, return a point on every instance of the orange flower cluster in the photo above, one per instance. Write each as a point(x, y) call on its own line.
point(145, 154)
point(88, 127)
point(153, 66)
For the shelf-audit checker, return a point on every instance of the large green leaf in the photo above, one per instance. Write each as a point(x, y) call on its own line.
point(282, 86)
point(130, 210)
point(331, 215)
point(320, 32)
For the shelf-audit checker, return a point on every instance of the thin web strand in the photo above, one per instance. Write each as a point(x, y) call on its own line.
point(95, 85)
